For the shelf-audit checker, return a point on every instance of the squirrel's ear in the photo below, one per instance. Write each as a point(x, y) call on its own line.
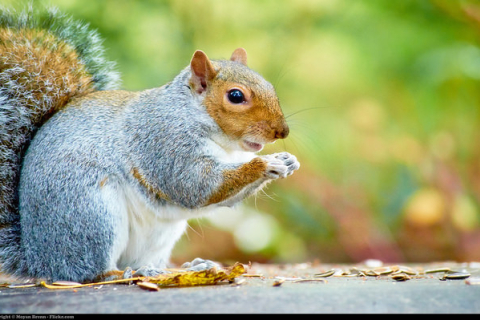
point(202, 71)
point(239, 55)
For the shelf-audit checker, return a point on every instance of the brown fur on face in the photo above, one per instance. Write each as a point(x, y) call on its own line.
point(259, 118)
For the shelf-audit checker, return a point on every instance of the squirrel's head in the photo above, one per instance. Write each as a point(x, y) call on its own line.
point(242, 102)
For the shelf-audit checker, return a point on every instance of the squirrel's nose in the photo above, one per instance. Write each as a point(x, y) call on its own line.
point(281, 132)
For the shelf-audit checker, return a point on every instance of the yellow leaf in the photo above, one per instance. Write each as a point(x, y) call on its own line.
point(178, 278)
point(199, 278)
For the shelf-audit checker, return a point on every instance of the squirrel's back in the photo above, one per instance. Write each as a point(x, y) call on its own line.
point(46, 59)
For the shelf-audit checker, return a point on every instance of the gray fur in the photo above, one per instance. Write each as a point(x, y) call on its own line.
point(68, 230)
point(167, 143)
point(77, 179)
point(18, 123)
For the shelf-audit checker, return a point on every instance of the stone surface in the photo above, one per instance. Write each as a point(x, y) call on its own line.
point(423, 293)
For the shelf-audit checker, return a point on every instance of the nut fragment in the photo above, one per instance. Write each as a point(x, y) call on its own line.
point(148, 286)
point(238, 282)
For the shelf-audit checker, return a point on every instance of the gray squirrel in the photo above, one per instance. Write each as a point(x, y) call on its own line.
point(96, 180)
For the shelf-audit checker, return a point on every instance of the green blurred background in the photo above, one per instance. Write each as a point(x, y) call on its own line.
point(382, 98)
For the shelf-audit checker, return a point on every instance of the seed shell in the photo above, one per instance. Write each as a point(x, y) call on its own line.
point(148, 286)
point(278, 282)
point(400, 276)
point(383, 270)
point(22, 285)
point(325, 274)
point(66, 283)
point(310, 280)
point(455, 275)
point(407, 270)
point(436, 270)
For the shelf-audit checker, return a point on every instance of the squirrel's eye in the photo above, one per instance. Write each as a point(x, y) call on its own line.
point(236, 96)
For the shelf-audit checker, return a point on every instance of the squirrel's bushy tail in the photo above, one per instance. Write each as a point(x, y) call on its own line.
point(46, 58)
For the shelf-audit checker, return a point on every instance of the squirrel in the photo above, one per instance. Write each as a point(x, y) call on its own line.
point(96, 180)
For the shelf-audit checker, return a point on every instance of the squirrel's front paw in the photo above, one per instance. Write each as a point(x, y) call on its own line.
point(280, 165)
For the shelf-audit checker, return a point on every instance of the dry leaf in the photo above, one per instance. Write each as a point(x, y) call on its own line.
point(199, 278)
point(185, 278)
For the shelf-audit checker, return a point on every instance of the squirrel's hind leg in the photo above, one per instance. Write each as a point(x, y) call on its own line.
point(199, 264)
point(128, 273)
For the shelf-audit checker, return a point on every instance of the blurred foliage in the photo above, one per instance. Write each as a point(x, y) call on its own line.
point(383, 102)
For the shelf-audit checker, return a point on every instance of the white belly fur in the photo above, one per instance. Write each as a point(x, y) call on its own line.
point(146, 235)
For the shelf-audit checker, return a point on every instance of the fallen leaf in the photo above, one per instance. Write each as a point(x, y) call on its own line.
point(179, 278)
point(199, 278)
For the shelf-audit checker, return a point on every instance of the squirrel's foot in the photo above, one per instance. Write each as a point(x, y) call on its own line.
point(199, 264)
point(143, 272)
point(280, 165)
point(110, 276)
